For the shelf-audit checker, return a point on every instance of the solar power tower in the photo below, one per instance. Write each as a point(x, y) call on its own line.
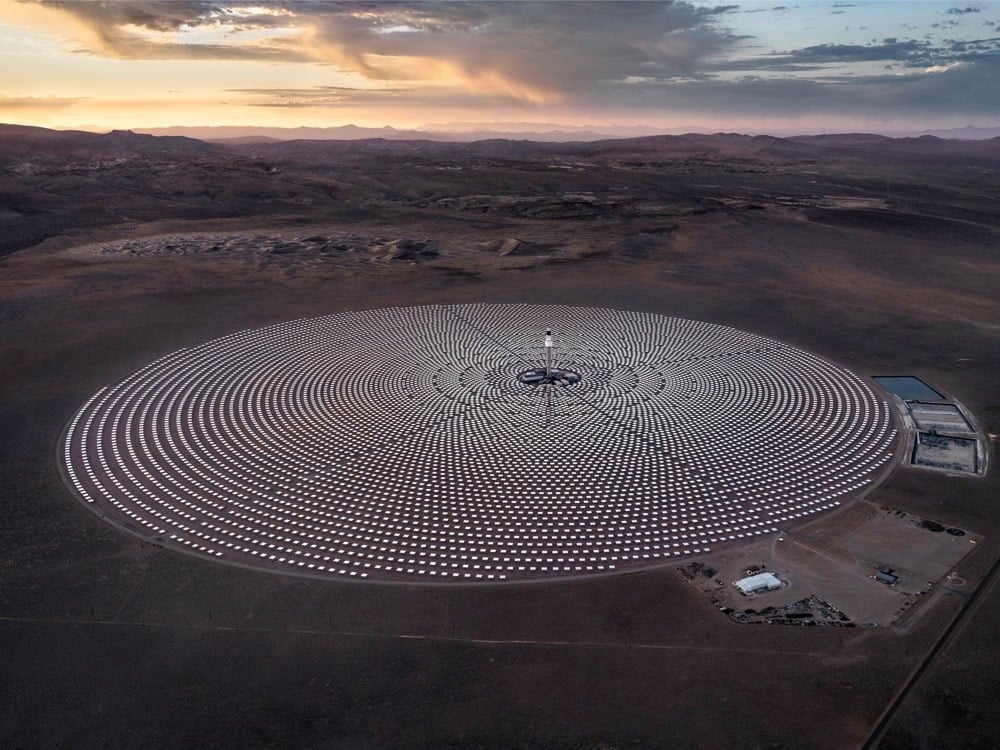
point(548, 355)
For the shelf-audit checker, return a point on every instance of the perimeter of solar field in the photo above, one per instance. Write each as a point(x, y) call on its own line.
point(399, 444)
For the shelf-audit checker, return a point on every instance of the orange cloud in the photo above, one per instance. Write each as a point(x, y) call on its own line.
point(535, 53)
point(50, 21)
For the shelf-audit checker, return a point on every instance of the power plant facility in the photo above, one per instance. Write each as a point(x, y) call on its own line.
point(441, 443)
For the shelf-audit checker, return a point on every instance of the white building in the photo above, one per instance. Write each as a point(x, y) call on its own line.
point(757, 583)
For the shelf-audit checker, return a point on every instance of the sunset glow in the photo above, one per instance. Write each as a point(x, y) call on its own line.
point(143, 63)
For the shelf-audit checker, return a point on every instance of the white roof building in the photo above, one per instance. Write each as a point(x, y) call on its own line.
point(759, 582)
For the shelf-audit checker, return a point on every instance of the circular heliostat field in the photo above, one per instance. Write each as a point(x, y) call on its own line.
point(409, 443)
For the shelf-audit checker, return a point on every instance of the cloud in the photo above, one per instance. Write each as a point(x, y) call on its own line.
point(533, 51)
point(17, 103)
point(554, 57)
point(843, 53)
point(320, 96)
point(538, 52)
point(823, 56)
point(907, 53)
point(959, 89)
point(341, 97)
point(160, 29)
point(889, 49)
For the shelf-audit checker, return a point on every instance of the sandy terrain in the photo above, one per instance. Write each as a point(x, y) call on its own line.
point(835, 559)
point(879, 256)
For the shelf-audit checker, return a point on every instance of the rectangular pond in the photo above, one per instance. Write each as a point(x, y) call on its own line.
point(908, 387)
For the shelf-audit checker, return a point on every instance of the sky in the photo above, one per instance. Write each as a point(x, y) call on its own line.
point(847, 65)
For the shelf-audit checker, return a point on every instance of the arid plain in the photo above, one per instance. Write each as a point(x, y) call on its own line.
point(878, 254)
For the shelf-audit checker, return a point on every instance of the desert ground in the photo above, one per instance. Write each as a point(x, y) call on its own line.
point(878, 254)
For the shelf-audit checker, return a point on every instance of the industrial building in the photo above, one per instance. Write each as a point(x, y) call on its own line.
point(756, 584)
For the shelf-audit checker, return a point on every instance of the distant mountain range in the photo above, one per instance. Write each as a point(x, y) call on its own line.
point(28, 148)
point(467, 132)
point(249, 134)
point(237, 134)
point(25, 140)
